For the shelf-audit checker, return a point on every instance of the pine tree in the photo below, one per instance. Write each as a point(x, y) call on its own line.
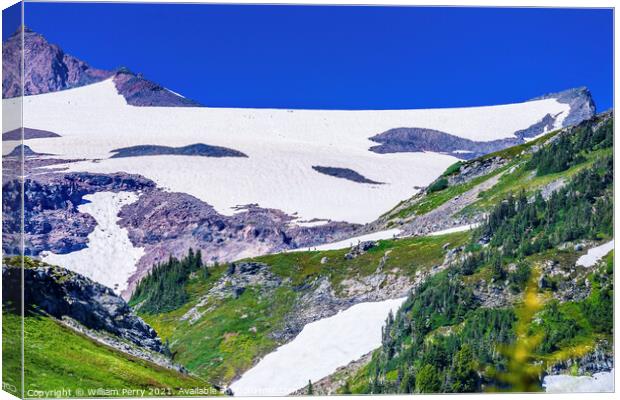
point(427, 380)
point(465, 377)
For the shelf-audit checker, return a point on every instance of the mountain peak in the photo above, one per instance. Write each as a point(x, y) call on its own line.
point(49, 69)
point(579, 99)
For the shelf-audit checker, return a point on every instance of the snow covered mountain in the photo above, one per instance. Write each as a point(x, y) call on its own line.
point(282, 147)
point(317, 171)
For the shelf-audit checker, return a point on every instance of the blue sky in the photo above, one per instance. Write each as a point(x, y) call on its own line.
point(342, 57)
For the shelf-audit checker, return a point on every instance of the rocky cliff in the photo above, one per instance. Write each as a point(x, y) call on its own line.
point(581, 104)
point(51, 219)
point(60, 293)
point(47, 67)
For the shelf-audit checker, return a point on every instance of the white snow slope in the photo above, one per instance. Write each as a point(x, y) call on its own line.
point(595, 254)
point(320, 348)
point(350, 242)
point(601, 382)
point(461, 228)
point(110, 257)
point(282, 146)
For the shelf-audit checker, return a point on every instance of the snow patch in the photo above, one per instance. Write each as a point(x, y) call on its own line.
point(601, 382)
point(348, 243)
point(320, 348)
point(455, 229)
point(175, 93)
point(594, 254)
point(311, 224)
point(110, 257)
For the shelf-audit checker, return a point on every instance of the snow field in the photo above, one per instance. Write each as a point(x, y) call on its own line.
point(595, 254)
point(601, 382)
point(110, 257)
point(319, 349)
point(282, 146)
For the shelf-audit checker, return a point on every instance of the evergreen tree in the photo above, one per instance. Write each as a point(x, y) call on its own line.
point(163, 289)
point(407, 384)
point(427, 380)
point(465, 377)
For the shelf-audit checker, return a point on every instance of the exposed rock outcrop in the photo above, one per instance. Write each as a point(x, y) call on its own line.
point(141, 92)
point(319, 299)
point(60, 293)
point(330, 384)
point(404, 140)
point(198, 149)
point(360, 249)
point(581, 104)
point(474, 169)
point(29, 133)
point(169, 223)
point(344, 173)
point(162, 222)
point(544, 125)
point(51, 219)
point(600, 359)
point(415, 139)
point(47, 67)
point(238, 278)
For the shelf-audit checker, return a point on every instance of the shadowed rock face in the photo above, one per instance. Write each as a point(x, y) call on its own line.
point(51, 218)
point(198, 149)
point(344, 173)
point(544, 125)
point(47, 67)
point(62, 293)
point(400, 140)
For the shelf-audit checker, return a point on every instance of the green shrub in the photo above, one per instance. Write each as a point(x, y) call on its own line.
point(438, 185)
point(453, 169)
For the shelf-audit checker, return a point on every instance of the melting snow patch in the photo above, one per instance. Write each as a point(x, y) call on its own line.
point(453, 230)
point(595, 254)
point(597, 383)
point(320, 348)
point(311, 224)
point(347, 243)
point(110, 257)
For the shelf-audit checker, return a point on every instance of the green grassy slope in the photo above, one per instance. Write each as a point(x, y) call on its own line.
point(229, 334)
point(518, 304)
point(424, 202)
point(234, 332)
point(57, 358)
point(515, 175)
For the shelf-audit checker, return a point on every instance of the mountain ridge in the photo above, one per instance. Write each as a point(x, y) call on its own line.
point(49, 69)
